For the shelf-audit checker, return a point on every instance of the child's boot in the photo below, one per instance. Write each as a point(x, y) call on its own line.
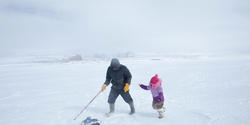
point(161, 115)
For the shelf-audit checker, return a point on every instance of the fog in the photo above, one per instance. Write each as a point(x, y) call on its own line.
point(112, 26)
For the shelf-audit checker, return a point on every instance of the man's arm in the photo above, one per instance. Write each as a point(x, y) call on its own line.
point(108, 77)
point(127, 75)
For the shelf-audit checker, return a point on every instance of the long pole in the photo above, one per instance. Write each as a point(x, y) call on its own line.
point(87, 105)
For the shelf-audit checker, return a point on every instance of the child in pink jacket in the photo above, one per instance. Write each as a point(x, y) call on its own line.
point(157, 93)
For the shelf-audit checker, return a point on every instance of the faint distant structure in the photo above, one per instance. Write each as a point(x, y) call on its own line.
point(100, 56)
point(76, 57)
point(125, 55)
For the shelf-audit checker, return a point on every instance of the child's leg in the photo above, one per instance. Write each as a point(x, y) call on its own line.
point(158, 106)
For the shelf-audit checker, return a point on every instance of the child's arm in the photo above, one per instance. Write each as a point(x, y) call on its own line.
point(144, 87)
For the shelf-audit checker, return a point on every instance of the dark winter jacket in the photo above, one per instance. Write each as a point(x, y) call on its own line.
point(119, 77)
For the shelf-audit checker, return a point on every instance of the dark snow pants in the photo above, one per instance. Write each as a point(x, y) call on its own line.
point(114, 93)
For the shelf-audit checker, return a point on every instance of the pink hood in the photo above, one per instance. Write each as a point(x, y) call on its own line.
point(155, 80)
point(156, 85)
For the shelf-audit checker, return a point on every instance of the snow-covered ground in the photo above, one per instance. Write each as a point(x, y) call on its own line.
point(199, 90)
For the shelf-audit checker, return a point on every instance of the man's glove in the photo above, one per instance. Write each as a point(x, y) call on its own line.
point(126, 88)
point(104, 87)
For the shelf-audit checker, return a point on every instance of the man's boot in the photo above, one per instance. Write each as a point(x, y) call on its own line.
point(132, 108)
point(111, 109)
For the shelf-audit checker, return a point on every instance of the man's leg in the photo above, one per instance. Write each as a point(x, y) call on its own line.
point(127, 98)
point(111, 100)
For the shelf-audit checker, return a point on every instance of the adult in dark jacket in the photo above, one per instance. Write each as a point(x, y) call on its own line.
point(120, 78)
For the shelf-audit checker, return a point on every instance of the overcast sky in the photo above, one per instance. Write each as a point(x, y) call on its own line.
point(124, 25)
